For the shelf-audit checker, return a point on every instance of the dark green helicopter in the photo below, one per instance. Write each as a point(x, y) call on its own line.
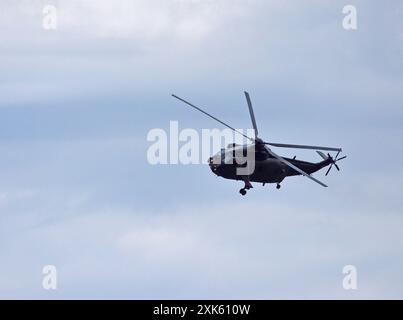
point(269, 167)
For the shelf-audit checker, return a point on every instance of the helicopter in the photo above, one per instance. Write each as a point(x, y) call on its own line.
point(269, 167)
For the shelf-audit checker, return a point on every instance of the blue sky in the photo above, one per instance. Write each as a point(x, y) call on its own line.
point(77, 192)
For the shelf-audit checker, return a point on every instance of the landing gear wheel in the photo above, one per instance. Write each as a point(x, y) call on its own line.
point(242, 191)
point(278, 186)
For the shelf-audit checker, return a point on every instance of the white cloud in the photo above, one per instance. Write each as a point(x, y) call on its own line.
point(141, 20)
point(146, 46)
point(252, 250)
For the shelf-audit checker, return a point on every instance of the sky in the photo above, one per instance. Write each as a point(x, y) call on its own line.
point(77, 191)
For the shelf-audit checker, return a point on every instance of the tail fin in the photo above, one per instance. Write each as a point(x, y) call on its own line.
point(322, 155)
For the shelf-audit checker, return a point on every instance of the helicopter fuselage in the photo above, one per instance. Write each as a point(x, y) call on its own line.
point(267, 169)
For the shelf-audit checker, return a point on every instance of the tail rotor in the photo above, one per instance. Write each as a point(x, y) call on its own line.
point(333, 162)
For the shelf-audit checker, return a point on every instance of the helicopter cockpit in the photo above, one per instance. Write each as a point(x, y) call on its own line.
point(236, 154)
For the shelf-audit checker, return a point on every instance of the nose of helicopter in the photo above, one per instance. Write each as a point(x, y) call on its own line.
point(213, 166)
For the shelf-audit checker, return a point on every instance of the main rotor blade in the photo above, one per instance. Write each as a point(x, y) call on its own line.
point(252, 114)
point(298, 146)
point(211, 116)
point(296, 168)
